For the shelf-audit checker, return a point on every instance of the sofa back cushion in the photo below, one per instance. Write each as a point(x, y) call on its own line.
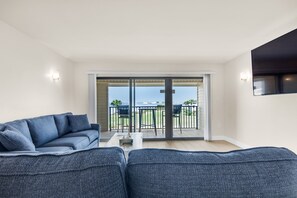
point(98, 172)
point(79, 122)
point(20, 126)
point(259, 172)
point(62, 123)
point(43, 129)
point(2, 127)
point(2, 148)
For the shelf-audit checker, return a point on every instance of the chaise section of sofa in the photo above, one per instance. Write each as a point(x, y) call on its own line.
point(53, 133)
point(98, 172)
point(259, 172)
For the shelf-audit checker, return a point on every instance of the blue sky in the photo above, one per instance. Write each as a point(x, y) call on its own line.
point(152, 94)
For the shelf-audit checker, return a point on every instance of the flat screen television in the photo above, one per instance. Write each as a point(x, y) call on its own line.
point(274, 66)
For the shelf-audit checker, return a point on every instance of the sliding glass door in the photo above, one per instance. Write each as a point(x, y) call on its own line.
point(160, 108)
point(149, 107)
point(187, 102)
point(113, 98)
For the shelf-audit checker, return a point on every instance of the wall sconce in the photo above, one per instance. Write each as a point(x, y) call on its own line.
point(56, 76)
point(244, 76)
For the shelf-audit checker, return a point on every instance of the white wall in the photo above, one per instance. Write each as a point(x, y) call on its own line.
point(25, 85)
point(257, 120)
point(81, 83)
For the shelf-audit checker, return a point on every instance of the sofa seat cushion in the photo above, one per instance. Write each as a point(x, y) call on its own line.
point(258, 172)
point(21, 126)
point(76, 143)
point(54, 149)
point(94, 144)
point(91, 134)
point(62, 123)
point(43, 129)
point(96, 172)
point(15, 141)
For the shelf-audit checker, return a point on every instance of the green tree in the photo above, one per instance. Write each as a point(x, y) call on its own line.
point(190, 102)
point(116, 103)
point(189, 110)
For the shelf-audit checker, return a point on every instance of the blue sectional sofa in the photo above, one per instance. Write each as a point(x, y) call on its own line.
point(53, 133)
point(266, 172)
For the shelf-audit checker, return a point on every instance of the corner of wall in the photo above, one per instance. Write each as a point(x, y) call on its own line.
point(25, 73)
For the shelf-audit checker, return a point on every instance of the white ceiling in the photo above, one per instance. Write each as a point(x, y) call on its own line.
point(213, 31)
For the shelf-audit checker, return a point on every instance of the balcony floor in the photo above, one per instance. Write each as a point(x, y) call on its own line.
point(150, 133)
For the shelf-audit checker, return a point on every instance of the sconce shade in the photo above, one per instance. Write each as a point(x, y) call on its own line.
point(56, 76)
point(244, 76)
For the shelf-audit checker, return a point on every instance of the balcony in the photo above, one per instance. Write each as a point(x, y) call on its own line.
point(189, 118)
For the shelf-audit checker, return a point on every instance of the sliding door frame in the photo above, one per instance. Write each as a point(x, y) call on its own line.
point(168, 109)
point(168, 99)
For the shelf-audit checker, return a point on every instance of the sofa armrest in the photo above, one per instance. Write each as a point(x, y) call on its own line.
point(96, 172)
point(243, 170)
point(96, 127)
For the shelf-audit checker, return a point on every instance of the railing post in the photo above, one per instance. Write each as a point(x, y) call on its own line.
point(109, 118)
point(197, 113)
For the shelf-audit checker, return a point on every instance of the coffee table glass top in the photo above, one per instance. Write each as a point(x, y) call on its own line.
point(115, 141)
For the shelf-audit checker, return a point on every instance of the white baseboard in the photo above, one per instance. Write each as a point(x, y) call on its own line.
point(232, 141)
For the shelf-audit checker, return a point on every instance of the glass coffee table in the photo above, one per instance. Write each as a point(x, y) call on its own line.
point(115, 142)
